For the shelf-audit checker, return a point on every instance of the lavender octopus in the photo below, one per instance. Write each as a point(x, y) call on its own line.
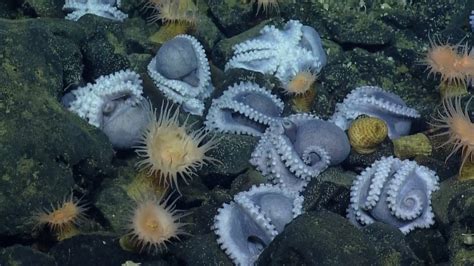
point(394, 192)
point(298, 148)
point(283, 53)
point(244, 108)
point(181, 72)
point(115, 104)
point(471, 20)
point(248, 224)
point(102, 8)
point(373, 101)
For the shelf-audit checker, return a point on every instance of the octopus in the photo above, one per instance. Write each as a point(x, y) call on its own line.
point(251, 221)
point(114, 103)
point(394, 192)
point(375, 102)
point(244, 108)
point(180, 70)
point(102, 8)
point(298, 148)
point(282, 53)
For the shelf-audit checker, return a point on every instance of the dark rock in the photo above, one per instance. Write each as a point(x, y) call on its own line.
point(44, 148)
point(43, 8)
point(322, 238)
point(357, 161)
point(234, 153)
point(392, 249)
point(22, 255)
point(232, 16)
point(429, 245)
point(94, 249)
point(246, 180)
point(201, 250)
point(330, 191)
point(362, 29)
point(453, 202)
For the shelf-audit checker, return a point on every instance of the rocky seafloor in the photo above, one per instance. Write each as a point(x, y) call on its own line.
point(47, 151)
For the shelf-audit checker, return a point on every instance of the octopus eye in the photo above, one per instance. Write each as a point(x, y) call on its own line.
point(109, 107)
point(256, 243)
point(287, 124)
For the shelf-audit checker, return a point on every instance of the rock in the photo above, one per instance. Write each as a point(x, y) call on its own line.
point(319, 238)
point(246, 180)
point(44, 148)
point(453, 202)
point(391, 246)
point(330, 191)
point(232, 16)
point(22, 255)
point(234, 153)
point(429, 245)
point(362, 29)
point(201, 250)
point(43, 8)
point(94, 249)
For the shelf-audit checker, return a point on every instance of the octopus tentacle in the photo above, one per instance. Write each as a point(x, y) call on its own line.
point(248, 224)
point(103, 9)
point(244, 108)
point(298, 148)
point(373, 101)
point(394, 192)
point(180, 90)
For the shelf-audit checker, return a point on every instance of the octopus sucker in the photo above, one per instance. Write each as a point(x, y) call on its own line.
point(244, 108)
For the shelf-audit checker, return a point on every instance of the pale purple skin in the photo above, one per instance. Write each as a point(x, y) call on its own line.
point(124, 124)
point(258, 102)
point(319, 133)
point(177, 60)
point(397, 125)
point(247, 233)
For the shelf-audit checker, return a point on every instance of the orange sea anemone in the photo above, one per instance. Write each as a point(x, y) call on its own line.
point(154, 223)
point(172, 11)
point(170, 150)
point(266, 5)
point(63, 218)
point(458, 127)
point(301, 82)
point(453, 62)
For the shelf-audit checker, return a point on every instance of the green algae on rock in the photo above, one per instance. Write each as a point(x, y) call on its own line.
point(321, 238)
point(44, 148)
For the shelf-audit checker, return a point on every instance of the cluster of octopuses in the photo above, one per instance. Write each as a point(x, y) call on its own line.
point(292, 150)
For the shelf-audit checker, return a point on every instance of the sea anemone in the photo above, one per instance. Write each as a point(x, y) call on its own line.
point(453, 62)
point(301, 82)
point(63, 218)
point(172, 11)
point(459, 128)
point(154, 223)
point(170, 150)
point(266, 5)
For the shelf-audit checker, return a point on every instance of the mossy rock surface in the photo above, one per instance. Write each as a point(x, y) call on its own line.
point(19, 255)
point(44, 148)
point(319, 238)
